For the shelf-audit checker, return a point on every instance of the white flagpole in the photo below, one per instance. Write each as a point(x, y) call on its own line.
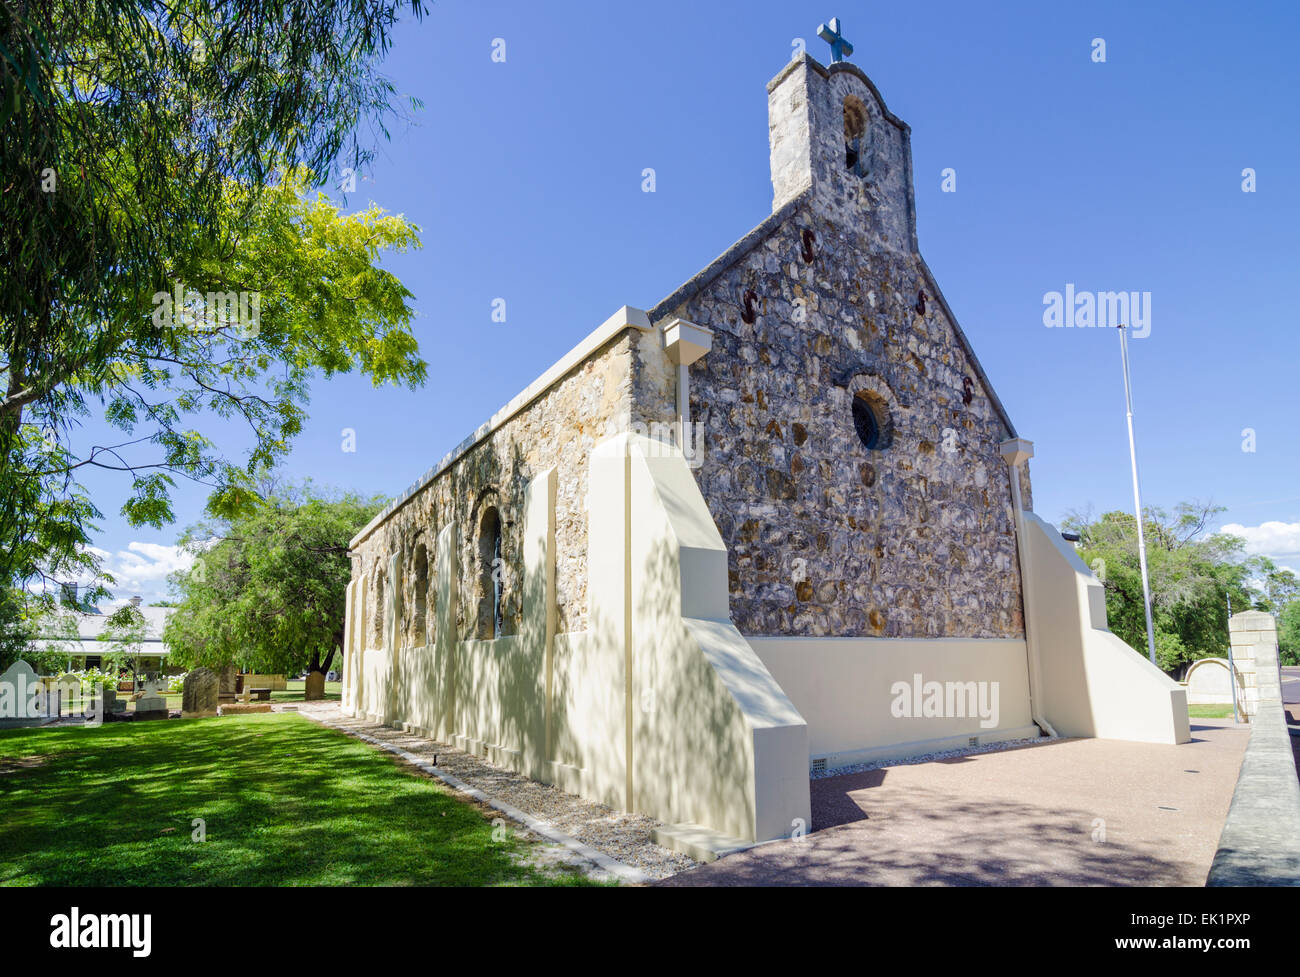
point(1137, 498)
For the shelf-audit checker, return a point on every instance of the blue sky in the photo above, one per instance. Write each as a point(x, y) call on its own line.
point(526, 178)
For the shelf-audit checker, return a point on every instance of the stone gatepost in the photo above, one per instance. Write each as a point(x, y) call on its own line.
point(1254, 653)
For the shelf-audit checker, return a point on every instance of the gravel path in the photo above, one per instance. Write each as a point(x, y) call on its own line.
point(622, 836)
point(931, 757)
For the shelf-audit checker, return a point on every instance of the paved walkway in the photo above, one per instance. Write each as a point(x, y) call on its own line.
point(1029, 816)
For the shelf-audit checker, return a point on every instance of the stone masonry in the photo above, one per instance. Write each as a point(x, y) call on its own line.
point(825, 301)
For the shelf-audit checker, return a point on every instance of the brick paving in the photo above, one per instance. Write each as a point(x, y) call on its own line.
point(1068, 812)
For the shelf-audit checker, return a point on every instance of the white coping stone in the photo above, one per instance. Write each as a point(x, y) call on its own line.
point(626, 317)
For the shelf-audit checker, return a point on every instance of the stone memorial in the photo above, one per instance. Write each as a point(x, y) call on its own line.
point(1208, 683)
point(151, 706)
point(200, 693)
point(22, 698)
point(314, 688)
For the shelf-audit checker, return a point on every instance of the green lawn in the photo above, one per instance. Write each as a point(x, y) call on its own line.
point(285, 800)
point(293, 692)
point(1210, 712)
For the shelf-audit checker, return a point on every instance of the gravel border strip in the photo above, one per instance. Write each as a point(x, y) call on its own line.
point(943, 755)
point(598, 858)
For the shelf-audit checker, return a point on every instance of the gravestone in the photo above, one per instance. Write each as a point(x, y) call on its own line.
point(200, 693)
point(21, 698)
point(151, 706)
point(1208, 683)
point(315, 686)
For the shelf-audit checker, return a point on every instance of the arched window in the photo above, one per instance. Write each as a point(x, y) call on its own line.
point(855, 136)
point(377, 620)
point(872, 420)
point(490, 574)
point(421, 579)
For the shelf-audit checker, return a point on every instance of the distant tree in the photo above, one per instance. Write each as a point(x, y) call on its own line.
point(125, 631)
point(1289, 633)
point(26, 618)
point(1279, 585)
point(1193, 572)
point(267, 589)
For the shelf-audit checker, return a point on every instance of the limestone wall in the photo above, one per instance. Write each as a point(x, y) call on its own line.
point(660, 706)
point(1260, 843)
point(1085, 679)
point(848, 691)
point(826, 302)
point(825, 537)
point(558, 430)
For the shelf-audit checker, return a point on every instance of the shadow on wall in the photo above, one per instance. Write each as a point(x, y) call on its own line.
point(711, 738)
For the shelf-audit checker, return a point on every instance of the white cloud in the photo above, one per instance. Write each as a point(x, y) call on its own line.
point(140, 569)
point(1279, 541)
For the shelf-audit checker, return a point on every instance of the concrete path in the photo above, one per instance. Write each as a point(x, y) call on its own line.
point(1068, 812)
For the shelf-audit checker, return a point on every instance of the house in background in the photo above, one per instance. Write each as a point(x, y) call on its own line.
point(89, 648)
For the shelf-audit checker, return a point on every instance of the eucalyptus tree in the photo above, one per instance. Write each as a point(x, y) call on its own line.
point(166, 148)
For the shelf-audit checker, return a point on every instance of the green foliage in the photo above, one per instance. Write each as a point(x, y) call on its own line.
point(1193, 574)
point(149, 146)
point(26, 617)
point(1170, 651)
point(266, 591)
point(91, 680)
point(1289, 633)
point(127, 629)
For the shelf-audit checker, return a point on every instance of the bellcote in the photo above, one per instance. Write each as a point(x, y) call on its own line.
point(829, 131)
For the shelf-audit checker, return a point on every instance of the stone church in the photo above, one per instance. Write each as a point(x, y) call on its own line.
point(777, 523)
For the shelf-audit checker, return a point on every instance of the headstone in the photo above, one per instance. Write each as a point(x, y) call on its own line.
point(21, 695)
point(315, 686)
point(199, 693)
point(228, 677)
point(1208, 683)
point(150, 706)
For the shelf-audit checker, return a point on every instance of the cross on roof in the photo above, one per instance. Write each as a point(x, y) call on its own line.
point(840, 48)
